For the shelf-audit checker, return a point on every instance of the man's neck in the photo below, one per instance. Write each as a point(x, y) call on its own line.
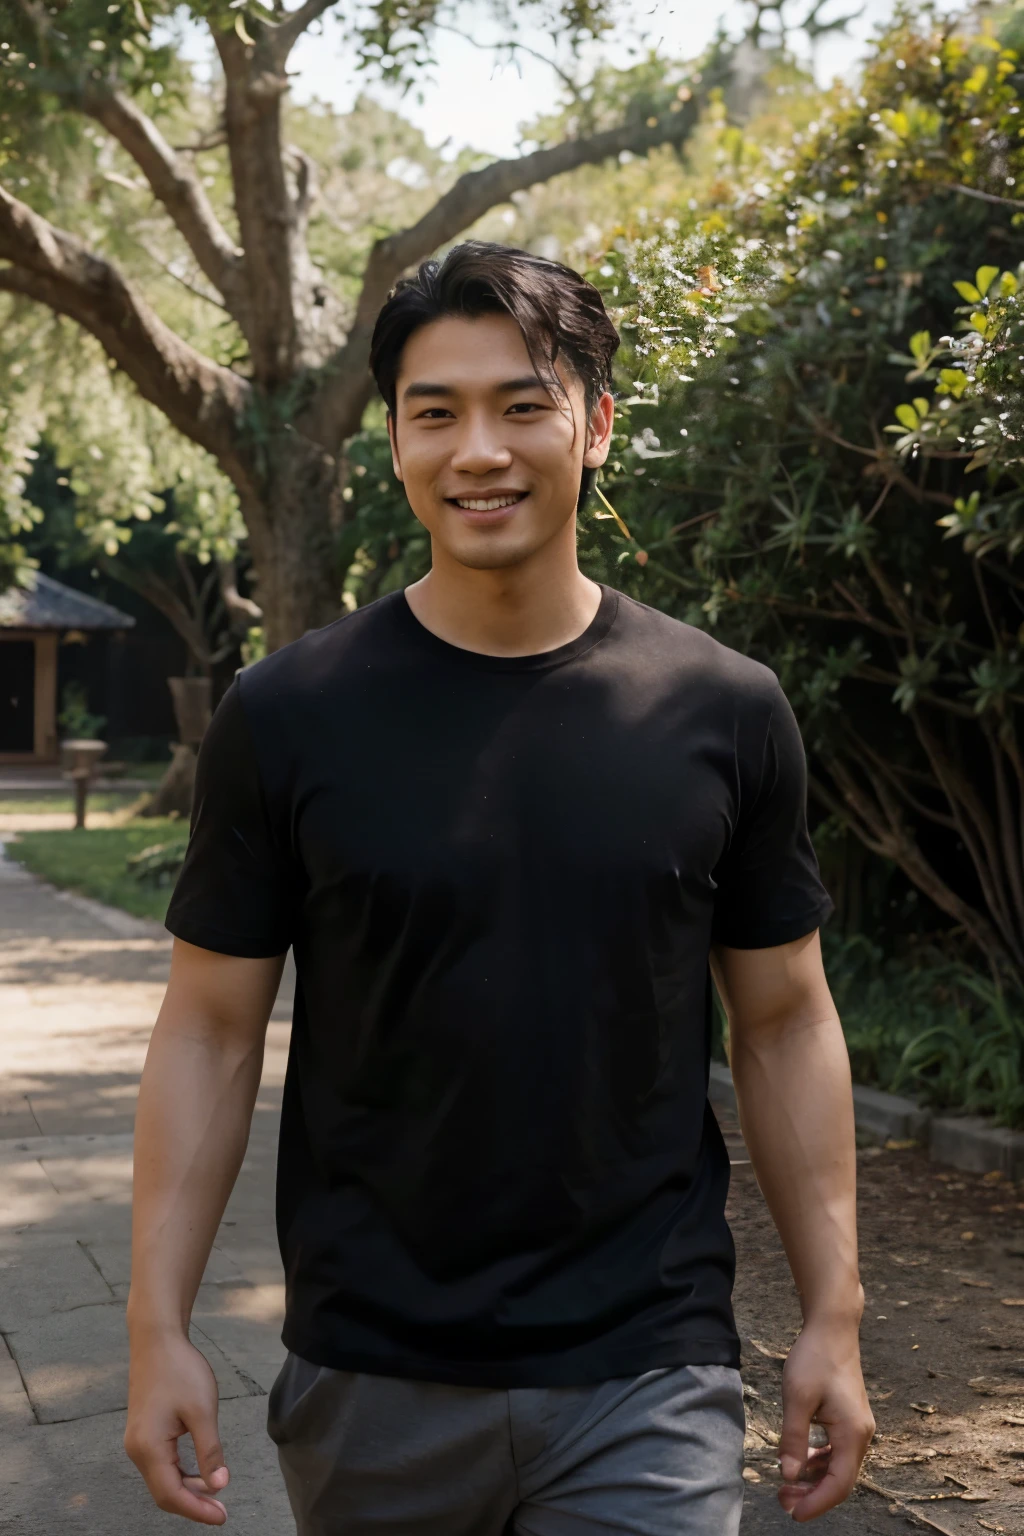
point(520, 610)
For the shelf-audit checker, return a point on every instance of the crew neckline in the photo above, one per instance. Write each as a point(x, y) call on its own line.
point(595, 631)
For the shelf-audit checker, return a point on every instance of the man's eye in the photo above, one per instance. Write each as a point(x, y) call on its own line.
point(433, 413)
point(523, 406)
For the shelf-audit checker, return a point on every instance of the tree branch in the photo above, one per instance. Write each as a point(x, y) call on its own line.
point(255, 81)
point(335, 414)
point(175, 185)
point(286, 33)
point(983, 197)
point(164, 598)
point(242, 611)
point(512, 46)
point(876, 820)
point(202, 399)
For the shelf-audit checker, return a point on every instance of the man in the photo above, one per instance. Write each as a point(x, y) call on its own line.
point(505, 819)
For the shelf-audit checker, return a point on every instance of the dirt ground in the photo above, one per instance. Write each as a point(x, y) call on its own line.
point(942, 1259)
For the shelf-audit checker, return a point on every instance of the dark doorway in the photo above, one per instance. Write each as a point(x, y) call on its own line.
point(17, 695)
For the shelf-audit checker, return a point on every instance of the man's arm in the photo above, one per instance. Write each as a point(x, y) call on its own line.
point(192, 1125)
point(792, 1077)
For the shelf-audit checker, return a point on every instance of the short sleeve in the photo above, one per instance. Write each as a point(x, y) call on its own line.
point(769, 889)
point(236, 891)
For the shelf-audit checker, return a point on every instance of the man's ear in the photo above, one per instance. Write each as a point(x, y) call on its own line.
point(599, 432)
point(393, 440)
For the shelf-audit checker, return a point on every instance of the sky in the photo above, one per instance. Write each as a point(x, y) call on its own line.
point(472, 102)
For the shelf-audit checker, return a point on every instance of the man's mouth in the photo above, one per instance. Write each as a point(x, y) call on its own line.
point(493, 503)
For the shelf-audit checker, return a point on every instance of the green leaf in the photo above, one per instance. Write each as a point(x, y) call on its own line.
point(955, 381)
point(921, 406)
point(967, 291)
point(984, 278)
point(921, 345)
point(908, 417)
point(979, 322)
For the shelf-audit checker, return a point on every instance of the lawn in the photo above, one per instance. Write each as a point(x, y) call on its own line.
point(57, 801)
point(92, 862)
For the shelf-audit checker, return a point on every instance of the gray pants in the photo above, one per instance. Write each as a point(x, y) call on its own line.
point(656, 1455)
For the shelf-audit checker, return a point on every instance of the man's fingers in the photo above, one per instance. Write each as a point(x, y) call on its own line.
point(173, 1489)
point(179, 1495)
point(796, 1431)
point(209, 1455)
point(836, 1485)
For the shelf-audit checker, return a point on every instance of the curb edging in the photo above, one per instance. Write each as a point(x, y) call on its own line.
point(967, 1142)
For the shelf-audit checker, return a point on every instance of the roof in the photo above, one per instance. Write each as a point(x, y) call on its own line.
point(49, 604)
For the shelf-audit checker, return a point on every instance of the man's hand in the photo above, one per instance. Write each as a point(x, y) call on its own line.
point(172, 1391)
point(195, 1107)
point(822, 1383)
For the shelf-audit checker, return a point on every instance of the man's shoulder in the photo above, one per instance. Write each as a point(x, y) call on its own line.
point(321, 658)
point(696, 654)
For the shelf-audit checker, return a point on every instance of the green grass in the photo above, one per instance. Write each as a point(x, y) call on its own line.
point(51, 804)
point(92, 862)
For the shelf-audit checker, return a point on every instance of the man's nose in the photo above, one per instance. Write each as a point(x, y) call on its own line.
point(480, 447)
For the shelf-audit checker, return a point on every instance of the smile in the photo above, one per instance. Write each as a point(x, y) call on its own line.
point(488, 504)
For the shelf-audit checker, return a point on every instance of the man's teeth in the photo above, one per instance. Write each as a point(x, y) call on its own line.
point(491, 505)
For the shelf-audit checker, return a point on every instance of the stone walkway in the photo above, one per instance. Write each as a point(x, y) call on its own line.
point(79, 990)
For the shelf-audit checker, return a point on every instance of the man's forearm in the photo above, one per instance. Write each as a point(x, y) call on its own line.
point(192, 1125)
point(796, 1112)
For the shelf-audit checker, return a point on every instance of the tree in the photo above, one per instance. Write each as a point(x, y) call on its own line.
point(284, 387)
point(808, 469)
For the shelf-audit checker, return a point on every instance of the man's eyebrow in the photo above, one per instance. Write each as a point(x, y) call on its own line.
point(422, 388)
point(415, 390)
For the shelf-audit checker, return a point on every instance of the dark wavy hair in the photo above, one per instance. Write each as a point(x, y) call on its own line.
point(559, 313)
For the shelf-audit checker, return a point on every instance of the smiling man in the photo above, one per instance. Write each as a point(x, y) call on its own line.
point(510, 823)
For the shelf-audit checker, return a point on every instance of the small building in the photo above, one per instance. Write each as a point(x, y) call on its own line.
point(37, 626)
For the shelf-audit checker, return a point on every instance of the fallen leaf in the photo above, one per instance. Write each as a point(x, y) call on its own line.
point(892, 1145)
point(988, 1525)
point(1013, 1301)
point(750, 1476)
point(1010, 1418)
point(881, 1397)
point(975, 1498)
point(768, 1351)
point(967, 1237)
point(947, 1477)
point(993, 1177)
point(924, 1407)
point(982, 1285)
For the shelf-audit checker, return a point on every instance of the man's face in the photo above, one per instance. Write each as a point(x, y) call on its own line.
point(490, 460)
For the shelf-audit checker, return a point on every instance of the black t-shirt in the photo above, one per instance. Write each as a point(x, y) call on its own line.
point(501, 878)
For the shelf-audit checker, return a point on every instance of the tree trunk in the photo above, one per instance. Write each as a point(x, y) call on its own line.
point(292, 530)
point(173, 795)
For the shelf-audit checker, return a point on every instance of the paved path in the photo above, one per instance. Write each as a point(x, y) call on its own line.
point(79, 989)
point(78, 996)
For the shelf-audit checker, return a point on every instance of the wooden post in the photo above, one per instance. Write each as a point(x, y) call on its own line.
point(45, 743)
